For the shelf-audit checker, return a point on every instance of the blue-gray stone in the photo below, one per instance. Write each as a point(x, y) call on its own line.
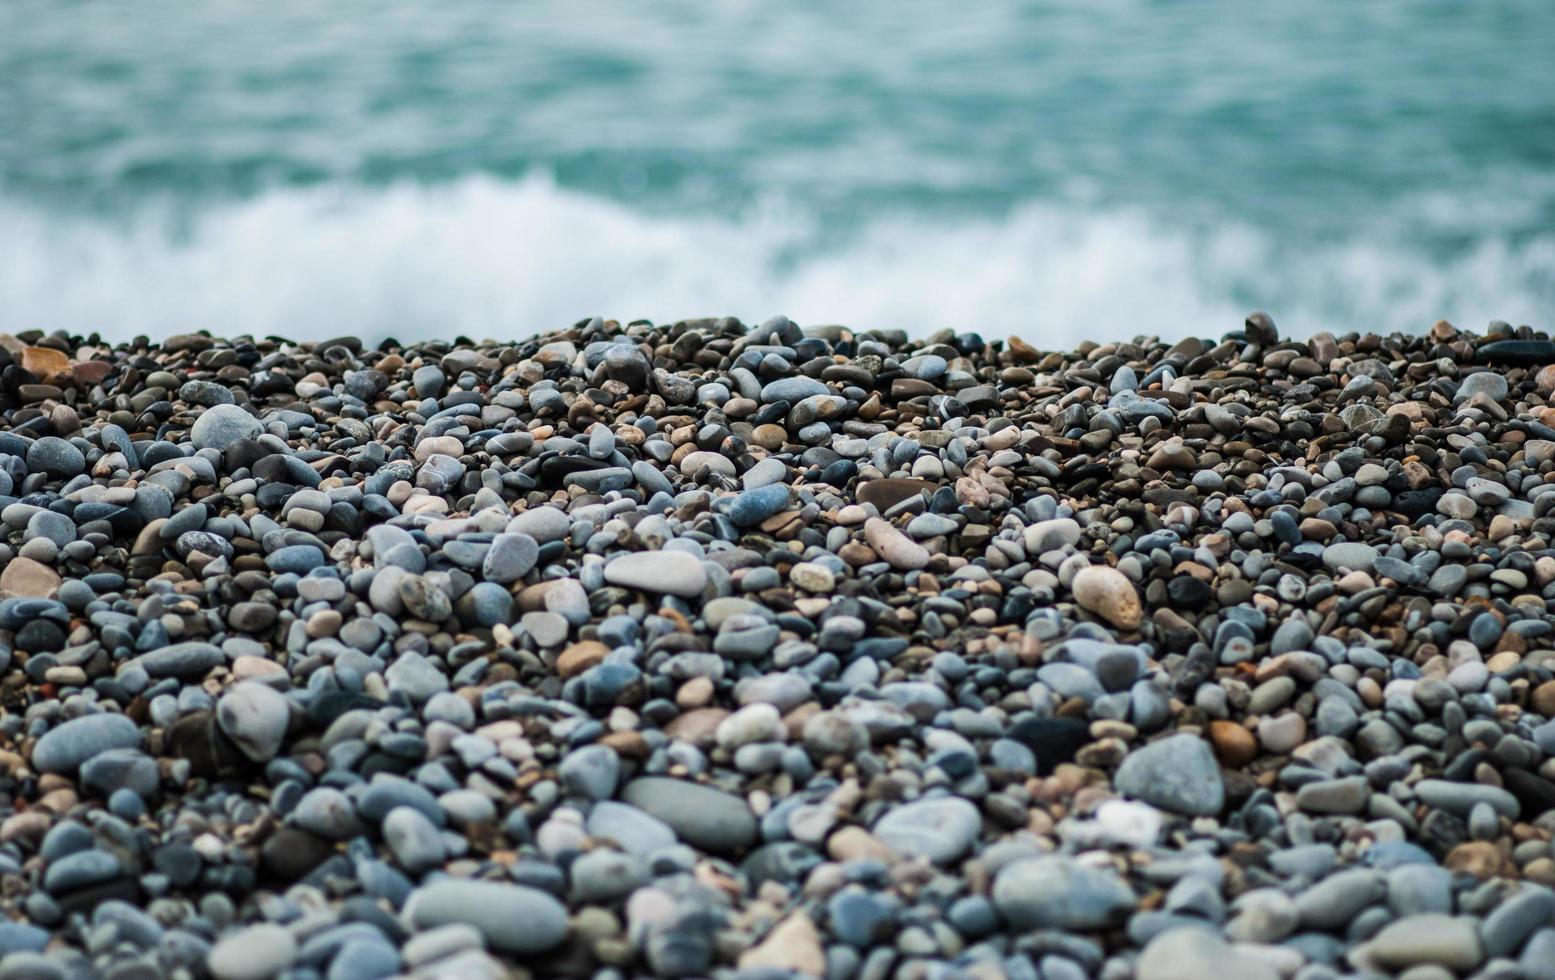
point(81, 869)
point(190, 659)
point(703, 816)
point(1178, 773)
point(510, 558)
point(1055, 892)
point(514, 918)
point(751, 507)
point(66, 746)
point(298, 559)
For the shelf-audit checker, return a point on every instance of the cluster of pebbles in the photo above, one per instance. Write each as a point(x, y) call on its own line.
point(706, 650)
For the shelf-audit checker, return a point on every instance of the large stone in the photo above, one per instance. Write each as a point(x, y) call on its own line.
point(1109, 594)
point(510, 558)
point(677, 573)
point(64, 747)
point(1057, 892)
point(255, 716)
point(1196, 953)
point(513, 918)
point(25, 577)
point(890, 491)
point(1178, 773)
point(700, 815)
point(256, 953)
point(222, 425)
point(189, 660)
point(1443, 940)
point(792, 947)
point(894, 548)
point(940, 828)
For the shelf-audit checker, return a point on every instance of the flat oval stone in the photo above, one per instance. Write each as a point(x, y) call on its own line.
point(667, 572)
point(192, 659)
point(258, 952)
point(701, 815)
point(941, 829)
point(514, 918)
point(64, 747)
point(1055, 892)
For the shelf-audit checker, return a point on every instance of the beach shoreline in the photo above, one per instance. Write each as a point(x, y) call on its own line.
point(714, 649)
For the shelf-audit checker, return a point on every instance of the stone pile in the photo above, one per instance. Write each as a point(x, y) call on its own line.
point(711, 650)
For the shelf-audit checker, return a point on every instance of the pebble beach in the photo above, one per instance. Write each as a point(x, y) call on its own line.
point(706, 649)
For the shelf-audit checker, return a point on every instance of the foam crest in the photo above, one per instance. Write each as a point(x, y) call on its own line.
point(486, 258)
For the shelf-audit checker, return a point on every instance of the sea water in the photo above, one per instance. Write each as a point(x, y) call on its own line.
point(1059, 170)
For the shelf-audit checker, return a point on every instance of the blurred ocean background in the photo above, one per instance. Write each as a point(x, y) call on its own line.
point(1060, 170)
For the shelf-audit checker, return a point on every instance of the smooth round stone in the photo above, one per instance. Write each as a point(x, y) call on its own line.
point(750, 508)
point(543, 524)
point(24, 576)
point(56, 528)
point(192, 659)
point(1445, 940)
point(1109, 594)
point(510, 558)
point(941, 829)
point(1337, 899)
point(1187, 592)
point(364, 959)
point(297, 559)
point(222, 425)
point(633, 830)
point(704, 817)
point(256, 953)
point(675, 573)
point(251, 617)
point(894, 548)
point(1460, 798)
point(1055, 892)
point(604, 875)
point(1051, 535)
point(1487, 383)
point(81, 869)
point(428, 381)
point(547, 628)
point(200, 392)
point(746, 638)
point(696, 462)
point(1193, 953)
point(812, 577)
point(765, 473)
point(1280, 735)
point(591, 771)
point(55, 456)
point(1510, 925)
point(424, 599)
point(792, 390)
point(1352, 555)
point(114, 769)
point(514, 918)
point(327, 812)
point(66, 746)
point(16, 937)
point(487, 604)
point(1178, 773)
point(416, 676)
point(255, 716)
point(414, 841)
point(1347, 795)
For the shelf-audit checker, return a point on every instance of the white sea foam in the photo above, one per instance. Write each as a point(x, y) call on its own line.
point(487, 258)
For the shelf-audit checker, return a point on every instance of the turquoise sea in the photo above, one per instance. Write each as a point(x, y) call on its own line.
point(1060, 170)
